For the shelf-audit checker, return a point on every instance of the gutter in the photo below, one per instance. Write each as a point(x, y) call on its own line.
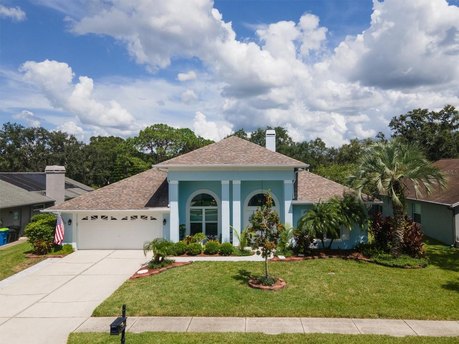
point(78, 211)
point(433, 202)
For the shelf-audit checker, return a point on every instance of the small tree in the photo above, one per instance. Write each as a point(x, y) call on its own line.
point(266, 229)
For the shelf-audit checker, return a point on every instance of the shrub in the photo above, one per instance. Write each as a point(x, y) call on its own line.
point(413, 239)
point(40, 232)
point(302, 241)
point(194, 249)
point(382, 230)
point(161, 264)
point(160, 248)
point(197, 238)
point(180, 248)
point(226, 249)
point(212, 247)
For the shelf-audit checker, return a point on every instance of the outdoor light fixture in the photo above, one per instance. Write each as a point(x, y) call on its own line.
point(69, 222)
point(164, 222)
point(119, 325)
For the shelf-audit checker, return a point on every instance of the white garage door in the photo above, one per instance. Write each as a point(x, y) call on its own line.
point(118, 231)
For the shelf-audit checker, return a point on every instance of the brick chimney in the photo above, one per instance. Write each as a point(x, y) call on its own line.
point(271, 140)
point(55, 183)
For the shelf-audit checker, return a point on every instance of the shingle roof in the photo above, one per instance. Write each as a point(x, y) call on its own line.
point(232, 151)
point(14, 196)
point(450, 195)
point(36, 181)
point(144, 190)
point(312, 188)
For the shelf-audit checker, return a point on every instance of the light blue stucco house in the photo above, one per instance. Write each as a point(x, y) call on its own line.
point(214, 190)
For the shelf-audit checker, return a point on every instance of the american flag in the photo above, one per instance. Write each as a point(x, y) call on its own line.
point(59, 233)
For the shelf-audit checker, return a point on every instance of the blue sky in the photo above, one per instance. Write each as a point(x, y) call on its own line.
point(334, 69)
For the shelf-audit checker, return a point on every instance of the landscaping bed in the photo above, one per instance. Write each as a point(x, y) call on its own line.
point(315, 288)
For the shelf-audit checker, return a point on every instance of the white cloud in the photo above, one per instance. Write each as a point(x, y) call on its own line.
point(14, 13)
point(29, 117)
point(72, 128)
point(209, 129)
point(190, 75)
point(55, 79)
point(406, 58)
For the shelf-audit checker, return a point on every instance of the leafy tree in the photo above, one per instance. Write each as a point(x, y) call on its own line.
point(283, 140)
point(336, 172)
point(436, 133)
point(162, 142)
point(265, 229)
point(385, 169)
point(241, 133)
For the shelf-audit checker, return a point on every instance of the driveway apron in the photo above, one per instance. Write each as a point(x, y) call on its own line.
point(46, 303)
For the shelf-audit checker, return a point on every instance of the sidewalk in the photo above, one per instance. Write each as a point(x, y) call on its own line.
point(391, 327)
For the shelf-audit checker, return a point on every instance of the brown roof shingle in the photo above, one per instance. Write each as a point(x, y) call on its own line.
point(312, 188)
point(232, 151)
point(148, 189)
point(449, 195)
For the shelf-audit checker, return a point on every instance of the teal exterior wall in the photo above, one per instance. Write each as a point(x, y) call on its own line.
point(437, 220)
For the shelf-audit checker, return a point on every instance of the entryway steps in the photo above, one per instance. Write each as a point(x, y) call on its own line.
point(391, 327)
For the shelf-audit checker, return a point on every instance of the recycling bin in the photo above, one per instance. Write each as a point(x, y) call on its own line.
point(4, 236)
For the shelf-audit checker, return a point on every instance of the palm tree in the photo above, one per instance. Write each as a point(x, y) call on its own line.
point(386, 168)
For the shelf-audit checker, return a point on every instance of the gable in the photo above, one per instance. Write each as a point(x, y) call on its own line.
point(230, 152)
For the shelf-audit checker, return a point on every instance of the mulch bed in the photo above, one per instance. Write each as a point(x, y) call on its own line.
point(31, 255)
point(254, 283)
point(325, 255)
point(151, 272)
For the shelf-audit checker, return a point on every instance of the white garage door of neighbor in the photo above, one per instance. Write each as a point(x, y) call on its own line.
point(116, 231)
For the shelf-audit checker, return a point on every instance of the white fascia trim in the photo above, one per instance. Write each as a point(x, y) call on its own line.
point(433, 202)
point(76, 211)
point(303, 202)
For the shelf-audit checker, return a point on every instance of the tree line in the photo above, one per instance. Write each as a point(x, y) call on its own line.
point(107, 159)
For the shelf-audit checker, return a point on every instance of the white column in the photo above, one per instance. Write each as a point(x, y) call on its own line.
point(288, 197)
point(174, 210)
point(236, 210)
point(225, 211)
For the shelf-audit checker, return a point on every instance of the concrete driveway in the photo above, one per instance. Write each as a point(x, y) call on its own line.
point(48, 301)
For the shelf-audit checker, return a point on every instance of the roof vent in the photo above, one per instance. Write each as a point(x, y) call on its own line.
point(271, 140)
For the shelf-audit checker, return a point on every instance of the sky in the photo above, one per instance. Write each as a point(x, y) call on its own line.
point(334, 69)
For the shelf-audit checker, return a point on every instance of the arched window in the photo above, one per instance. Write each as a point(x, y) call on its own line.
point(204, 215)
point(258, 200)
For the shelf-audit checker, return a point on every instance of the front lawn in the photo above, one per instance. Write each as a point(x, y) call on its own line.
point(13, 259)
point(242, 338)
point(315, 288)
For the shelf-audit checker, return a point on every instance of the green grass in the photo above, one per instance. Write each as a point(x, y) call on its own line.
point(13, 259)
point(243, 338)
point(315, 288)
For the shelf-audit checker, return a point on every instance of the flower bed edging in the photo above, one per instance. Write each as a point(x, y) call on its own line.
point(156, 271)
point(280, 284)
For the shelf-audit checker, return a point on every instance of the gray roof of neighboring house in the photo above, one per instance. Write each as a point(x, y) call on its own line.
point(148, 189)
point(447, 196)
point(36, 181)
point(232, 151)
point(14, 196)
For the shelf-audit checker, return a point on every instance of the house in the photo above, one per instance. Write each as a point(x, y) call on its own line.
point(438, 212)
point(214, 189)
point(23, 194)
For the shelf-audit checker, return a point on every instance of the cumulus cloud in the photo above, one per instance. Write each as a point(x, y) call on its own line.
point(29, 118)
point(209, 129)
point(72, 128)
point(14, 13)
point(55, 79)
point(406, 58)
point(190, 75)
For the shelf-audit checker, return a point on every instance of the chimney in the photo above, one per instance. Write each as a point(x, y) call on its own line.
point(55, 183)
point(271, 140)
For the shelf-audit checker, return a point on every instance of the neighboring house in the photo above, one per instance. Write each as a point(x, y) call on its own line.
point(438, 212)
point(23, 194)
point(211, 190)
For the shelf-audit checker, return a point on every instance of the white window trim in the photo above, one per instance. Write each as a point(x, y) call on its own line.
point(219, 209)
point(250, 195)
